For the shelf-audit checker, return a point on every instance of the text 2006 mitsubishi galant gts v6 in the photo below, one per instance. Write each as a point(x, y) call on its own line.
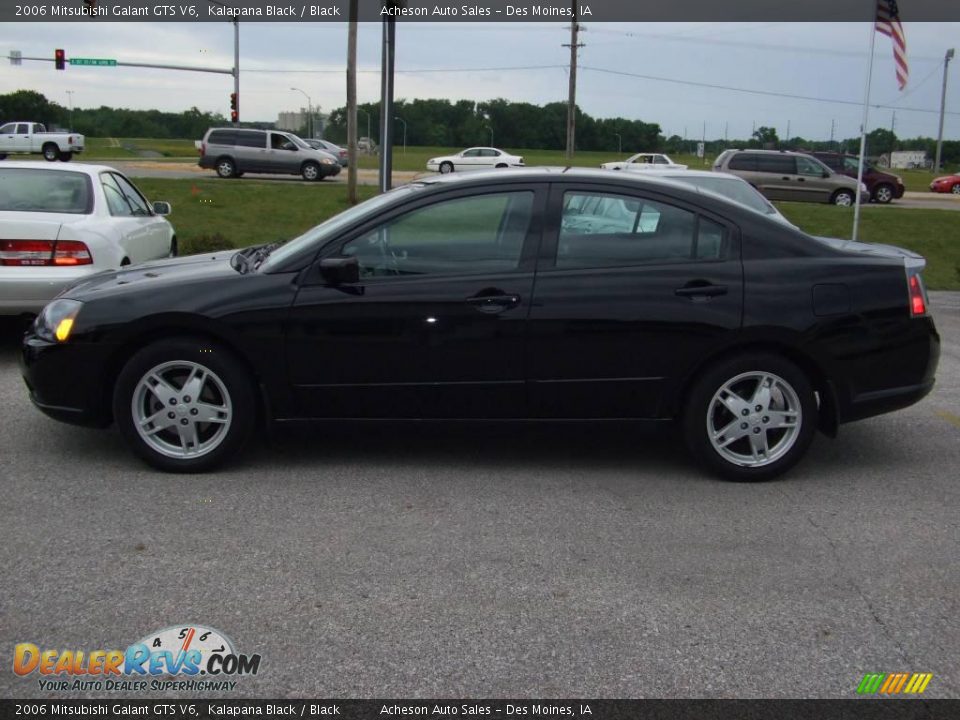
point(530, 294)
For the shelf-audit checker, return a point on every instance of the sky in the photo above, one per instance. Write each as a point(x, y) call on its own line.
point(520, 62)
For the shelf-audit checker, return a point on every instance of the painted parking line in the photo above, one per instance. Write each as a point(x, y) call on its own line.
point(949, 417)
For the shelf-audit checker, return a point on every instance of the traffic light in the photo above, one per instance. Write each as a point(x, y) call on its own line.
point(60, 58)
point(234, 115)
point(90, 5)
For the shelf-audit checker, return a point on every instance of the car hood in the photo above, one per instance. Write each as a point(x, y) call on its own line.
point(158, 273)
point(946, 178)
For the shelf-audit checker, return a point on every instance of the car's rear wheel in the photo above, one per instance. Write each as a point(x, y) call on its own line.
point(66, 156)
point(446, 168)
point(750, 417)
point(310, 171)
point(955, 189)
point(843, 198)
point(883, 194)
point(50, 152)
point(174, 249)
point(184, 404)
point(226, 168)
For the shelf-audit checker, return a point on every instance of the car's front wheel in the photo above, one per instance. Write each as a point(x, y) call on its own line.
point(883, 194)
point(310, 171)
point(751, 417)
point(955, 189)
point(843, 198)
point(184, 404)
point(446, 168)
point(51, 152)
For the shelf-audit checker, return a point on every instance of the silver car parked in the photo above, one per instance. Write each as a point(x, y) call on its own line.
point(234, 151)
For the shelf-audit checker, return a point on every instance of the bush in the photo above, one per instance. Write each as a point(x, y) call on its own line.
point(205, 244)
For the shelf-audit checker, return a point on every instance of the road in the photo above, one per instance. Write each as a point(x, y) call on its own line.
point(445, 560)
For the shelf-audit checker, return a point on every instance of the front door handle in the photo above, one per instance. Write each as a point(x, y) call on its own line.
point(784, 178)
point(701, 290)
point(493, 303)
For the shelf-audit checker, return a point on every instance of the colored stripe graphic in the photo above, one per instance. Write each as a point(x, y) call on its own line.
point(894, 683)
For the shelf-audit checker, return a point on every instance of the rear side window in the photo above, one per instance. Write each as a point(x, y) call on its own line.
point(122, 198)
point(743, 162)
point(250, 138)
point(604, 230)
point(56, 191)
point(831, 161)
point(777, 164)
point(221, 137)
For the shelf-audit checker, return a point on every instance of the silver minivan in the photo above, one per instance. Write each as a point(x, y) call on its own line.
point(785, 175)
point(234, 151)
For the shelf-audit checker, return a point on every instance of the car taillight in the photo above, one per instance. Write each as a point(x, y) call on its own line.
point(27, 253)
point(203, 149)
point(70, 139)
point(918, 297)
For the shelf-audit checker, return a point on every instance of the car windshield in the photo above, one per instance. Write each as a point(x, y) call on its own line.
point(316, 236)
point(52, 191)
point(735, 190)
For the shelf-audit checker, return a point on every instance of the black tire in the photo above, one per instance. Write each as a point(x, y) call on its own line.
point(844, 198)
point(226, 167)
point(883, 193)
point(702, 415)
point(174, 249)
point(224, 374)
point(500, 165)
point(311, 171)
point(446, 167)
point(51, 152)
point(3, 156)
point(66, 156)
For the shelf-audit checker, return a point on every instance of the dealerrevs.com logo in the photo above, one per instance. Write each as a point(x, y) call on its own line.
point(203, 659)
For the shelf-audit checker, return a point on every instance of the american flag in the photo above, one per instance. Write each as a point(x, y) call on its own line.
point(888, 23)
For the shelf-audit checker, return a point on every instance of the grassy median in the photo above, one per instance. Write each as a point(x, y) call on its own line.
point(212, 214)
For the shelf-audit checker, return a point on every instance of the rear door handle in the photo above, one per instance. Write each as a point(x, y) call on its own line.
point(695, 291)
point(493, 303)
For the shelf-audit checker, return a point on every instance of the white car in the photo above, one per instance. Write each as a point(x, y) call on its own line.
point(475, 158)
point(644, 161)
point(729, 186)
point(60, 224)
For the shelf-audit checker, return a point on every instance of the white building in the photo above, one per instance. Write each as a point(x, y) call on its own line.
point(906, 159)
point(294, 121)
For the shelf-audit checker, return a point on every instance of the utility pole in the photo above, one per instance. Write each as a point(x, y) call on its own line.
point(236, 63)
point(352, 104)
point(893, 126)
point(386, 102)
point(572, 100)
point(943, 101)
point(70, 95)
point(833, 125)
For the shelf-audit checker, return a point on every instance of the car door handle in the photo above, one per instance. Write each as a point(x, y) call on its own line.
point(493, 303)
point(700, 289)
point(784, 178)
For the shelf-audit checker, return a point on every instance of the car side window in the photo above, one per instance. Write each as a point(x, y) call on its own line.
point(806, 166)
point(8, 129)
point(280, 142)
point(221, 137)
point(472, 153)
point(122, 200)
point(251, 139)
point(24, 129)
point(605, 230)
point(783, 164)
point(743, 162)
point(464, 236)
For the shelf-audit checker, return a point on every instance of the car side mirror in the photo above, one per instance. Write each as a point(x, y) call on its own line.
point(162, 208)
point(340, 270)
point(826, 173)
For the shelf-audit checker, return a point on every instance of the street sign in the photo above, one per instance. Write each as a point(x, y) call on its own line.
point(700, 149)
point(102, 62)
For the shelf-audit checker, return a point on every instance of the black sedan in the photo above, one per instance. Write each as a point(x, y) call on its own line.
point(512, 296)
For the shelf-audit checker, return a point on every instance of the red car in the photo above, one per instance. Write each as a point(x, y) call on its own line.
point(946, 184)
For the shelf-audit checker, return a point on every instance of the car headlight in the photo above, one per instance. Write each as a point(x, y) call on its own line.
point(55, 321)
point(327, 161)
point(431, 160)
point(898, 179)
point(863, 187)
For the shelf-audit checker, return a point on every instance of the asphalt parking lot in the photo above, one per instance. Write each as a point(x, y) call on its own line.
point(442, 560)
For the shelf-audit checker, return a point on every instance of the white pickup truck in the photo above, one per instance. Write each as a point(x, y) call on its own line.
point(28, 137)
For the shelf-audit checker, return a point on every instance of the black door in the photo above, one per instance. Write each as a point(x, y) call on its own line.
point(435, 327)
point(631, 292)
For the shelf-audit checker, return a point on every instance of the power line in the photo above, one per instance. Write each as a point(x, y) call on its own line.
point(421, 70)
point(768, 93)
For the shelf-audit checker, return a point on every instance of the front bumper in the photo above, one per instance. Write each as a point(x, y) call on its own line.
point(330, 170)
point(68, 381)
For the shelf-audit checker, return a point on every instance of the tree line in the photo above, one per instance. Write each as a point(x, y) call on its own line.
point(460, 123)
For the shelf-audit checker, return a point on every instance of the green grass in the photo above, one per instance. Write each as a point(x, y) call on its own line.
point(932, 233)
point(106, 149)
point(214, 214)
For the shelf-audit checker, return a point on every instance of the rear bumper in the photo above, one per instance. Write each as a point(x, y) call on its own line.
point(884, 401)
point(27, 290)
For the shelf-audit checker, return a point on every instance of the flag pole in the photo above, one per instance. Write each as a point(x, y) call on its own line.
point(863, 126)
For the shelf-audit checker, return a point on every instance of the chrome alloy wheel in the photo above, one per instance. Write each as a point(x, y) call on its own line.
point(754, 419)
point(181, 409)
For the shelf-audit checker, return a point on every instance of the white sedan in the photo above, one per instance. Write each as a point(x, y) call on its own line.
point(644, 161)
point(59, 224)
point(476, 158)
